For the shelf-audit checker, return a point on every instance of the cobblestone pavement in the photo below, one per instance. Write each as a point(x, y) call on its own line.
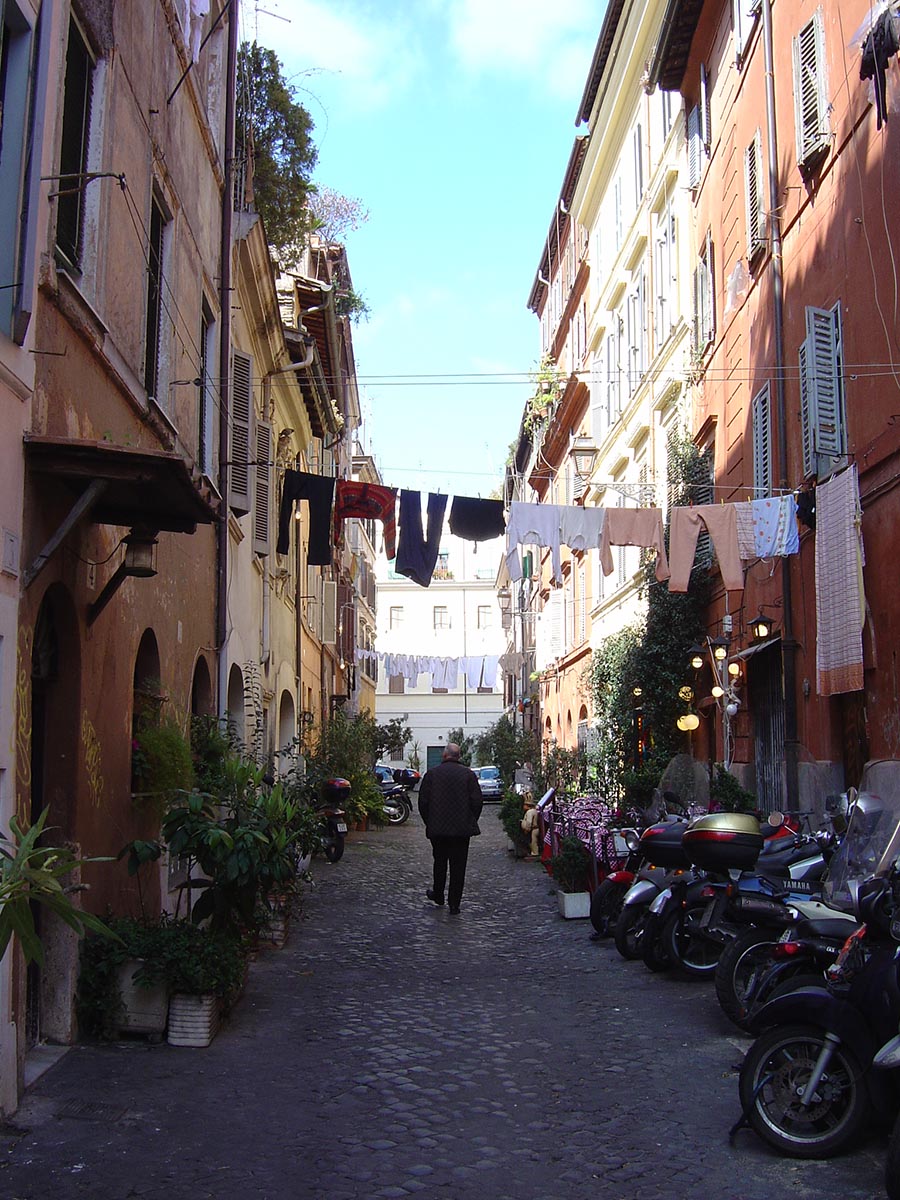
point(392, 1050)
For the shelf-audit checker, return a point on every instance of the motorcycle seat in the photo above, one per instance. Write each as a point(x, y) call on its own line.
point(835, 928)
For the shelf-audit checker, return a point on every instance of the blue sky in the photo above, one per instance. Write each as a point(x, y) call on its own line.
point(452, 121)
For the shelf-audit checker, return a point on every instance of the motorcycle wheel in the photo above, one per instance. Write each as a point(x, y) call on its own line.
point(740, 972)
point(397, 811)
point(629, 931)
point(686, 947)
point(333, 848)
point(773, 1076)
point(892, 1165)
point(653, 951)
point(606, 904)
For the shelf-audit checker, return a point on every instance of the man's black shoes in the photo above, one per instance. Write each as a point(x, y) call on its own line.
point(436, 899)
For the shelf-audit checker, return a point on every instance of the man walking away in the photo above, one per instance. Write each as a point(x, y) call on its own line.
point(450, 803)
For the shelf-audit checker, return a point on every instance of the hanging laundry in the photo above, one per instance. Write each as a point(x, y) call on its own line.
point(840, 596)
point(512, 662)
point(417, 553)
point(318, 492)
point(634, 527)
point(775, 529)
point(489, 673)
point(806, 508)
point(581, 528)
point(533, 525)
point(370, 501)
point(746, 532)
point(476, 520)
point(877, 50)
point(474, 668)
point(445, 672)
point(684, 528)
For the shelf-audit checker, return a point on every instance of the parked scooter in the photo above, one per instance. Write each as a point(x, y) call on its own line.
point(662, 860)
point(334, 794)
point(735, 860)
point(397, 806)
point(807, 1086)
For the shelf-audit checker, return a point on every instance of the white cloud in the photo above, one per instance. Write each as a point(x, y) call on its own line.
point(372, 52)
point(522, 35)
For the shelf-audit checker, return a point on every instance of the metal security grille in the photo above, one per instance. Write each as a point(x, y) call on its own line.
point(766, 695)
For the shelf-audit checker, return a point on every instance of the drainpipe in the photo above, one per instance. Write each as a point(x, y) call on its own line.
point(225, 363)
point(788, 643)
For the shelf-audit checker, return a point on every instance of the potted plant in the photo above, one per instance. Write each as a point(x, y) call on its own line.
point(204, 972)
point(31, 873)
point(510, 813)
point(570, 869)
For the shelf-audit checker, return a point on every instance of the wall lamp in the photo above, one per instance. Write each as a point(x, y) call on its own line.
point(584, 456)
point(695, 656)
point(760, 628)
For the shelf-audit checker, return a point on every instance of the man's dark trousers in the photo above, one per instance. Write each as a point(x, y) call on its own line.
point(452, 851)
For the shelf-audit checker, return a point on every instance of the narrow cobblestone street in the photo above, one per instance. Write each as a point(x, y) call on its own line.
point(390, 1050)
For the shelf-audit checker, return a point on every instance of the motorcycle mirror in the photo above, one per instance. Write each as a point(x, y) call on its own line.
point(776, 818)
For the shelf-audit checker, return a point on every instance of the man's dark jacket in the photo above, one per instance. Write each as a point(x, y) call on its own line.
point(450, 801)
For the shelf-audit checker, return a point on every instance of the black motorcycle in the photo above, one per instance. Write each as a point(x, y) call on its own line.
point(809, 1084)
point(333, 816)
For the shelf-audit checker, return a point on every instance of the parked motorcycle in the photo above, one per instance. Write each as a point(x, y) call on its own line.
point(661, 860)
point(397, 806)
point(334, 794)
point(797, 938)
point(807, 1085)
point(689, 925)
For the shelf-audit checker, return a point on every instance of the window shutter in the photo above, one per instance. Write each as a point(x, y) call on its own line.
point(823, 342)
point(762, 443)
point(810, 105)
point(709, 295)
point(745, 14)
point(329, 612)
point(694, 147)
point(705, 127)
point(807, 410)
point(756, 234)
point(241, 412)
point(262, 488)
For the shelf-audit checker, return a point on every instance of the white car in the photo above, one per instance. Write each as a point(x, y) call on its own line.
point(490, 781)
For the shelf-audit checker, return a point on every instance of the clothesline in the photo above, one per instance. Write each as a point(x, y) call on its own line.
point(740, 531)
point(480, 670)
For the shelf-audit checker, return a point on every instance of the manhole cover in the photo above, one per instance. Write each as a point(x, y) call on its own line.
point(85, 1110)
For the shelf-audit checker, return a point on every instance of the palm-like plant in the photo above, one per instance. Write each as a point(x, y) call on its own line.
point(34, 874)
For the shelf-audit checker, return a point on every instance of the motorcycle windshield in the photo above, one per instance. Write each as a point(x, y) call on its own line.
point(869, 846)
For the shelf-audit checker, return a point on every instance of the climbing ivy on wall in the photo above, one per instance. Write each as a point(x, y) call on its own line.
point(651, 654)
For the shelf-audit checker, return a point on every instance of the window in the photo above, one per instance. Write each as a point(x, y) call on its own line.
point(761, 414)
point(665, 289)
point(262, 471)
point(744, 13)
point(485, 616)
point(637, 338)
point(810, 97)
point(396, 685)
point(441, 617)
point(638, 149)
point(156, 252)
point(442, 567)
point(206, 408)
point(240, 423)
point(756, 220)
point(15, 54)
point(668, 104)
point(614, 369)
point(484, 691)
point(699, 134)
point(704, 323)
point(439, 691)
point(395, 617)
point(618, 215)
point(822, 392)
point(73, 152)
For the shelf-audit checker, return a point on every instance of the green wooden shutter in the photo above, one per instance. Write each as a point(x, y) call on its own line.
point(262, 490)
point(762, 443)
point(241, 414)
point(810, 101)
point(823, 335)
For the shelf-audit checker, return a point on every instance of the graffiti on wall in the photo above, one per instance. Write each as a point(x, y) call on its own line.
point(92, 759)
point(22, 748)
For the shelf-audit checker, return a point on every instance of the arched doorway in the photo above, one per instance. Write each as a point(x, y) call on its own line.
point(201, 690)
point(147, 697)
point(55, 751)
point(235, 705)
point(287, 732)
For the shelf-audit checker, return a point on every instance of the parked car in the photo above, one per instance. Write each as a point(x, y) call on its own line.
point(491, 782)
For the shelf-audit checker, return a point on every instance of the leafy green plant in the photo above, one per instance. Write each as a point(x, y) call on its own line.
point(726, 793)
point(504, 745)
point(161, 761)
point(180, 956)
point(34, 874)
point(138, 854)
point(466, 745)
point(570, 867)
point(510, 812)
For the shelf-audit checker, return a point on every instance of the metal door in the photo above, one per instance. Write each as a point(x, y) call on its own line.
point(766, 697)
